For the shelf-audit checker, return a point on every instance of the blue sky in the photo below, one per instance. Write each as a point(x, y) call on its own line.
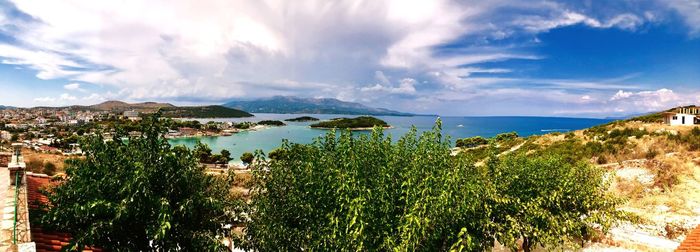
point(501, 57)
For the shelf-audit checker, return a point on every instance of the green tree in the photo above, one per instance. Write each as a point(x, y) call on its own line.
point(247, 157)
point(14, 137)
point(141, 195)
point(225, 156)
point(548, 201)
point(202, 152)
point(364, 192)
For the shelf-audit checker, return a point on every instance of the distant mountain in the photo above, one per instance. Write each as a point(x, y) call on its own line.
point(123, 106)
point(297, 105)
point(5, 107)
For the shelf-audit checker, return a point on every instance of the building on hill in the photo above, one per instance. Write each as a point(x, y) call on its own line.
point(683, 116)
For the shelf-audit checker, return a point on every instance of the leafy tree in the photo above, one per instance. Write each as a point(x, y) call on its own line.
point(247, 157)
point(202, 152)
point(14, 137)
point(548, 201)
point(225, 156)
point(364, 192)
point(141, 195)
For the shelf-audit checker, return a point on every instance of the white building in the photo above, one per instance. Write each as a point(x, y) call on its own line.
point(683, 116)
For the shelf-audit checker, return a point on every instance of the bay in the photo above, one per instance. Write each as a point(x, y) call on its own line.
point(454, 127)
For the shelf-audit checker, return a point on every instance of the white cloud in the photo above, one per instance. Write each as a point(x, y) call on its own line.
point(74, 87)
point(234, 48)
point(406, 85)
point(689, 10)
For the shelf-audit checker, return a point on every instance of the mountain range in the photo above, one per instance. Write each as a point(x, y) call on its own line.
point(297, 105)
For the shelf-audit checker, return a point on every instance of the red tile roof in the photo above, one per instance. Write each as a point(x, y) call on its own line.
point(45, 240)
point(691, 242)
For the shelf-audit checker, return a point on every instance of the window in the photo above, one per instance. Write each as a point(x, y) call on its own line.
point(675, 117)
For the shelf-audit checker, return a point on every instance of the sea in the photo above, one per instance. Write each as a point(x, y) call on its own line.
point(455, 127)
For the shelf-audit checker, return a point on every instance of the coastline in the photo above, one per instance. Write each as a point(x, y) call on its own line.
point(352, 129)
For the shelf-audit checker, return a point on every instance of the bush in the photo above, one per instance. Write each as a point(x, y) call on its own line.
point(471, 142)
point(506, 136)
point(366, 193)
point(49, 169)
point(651, 154)
point(34, 165)
point(247, 158)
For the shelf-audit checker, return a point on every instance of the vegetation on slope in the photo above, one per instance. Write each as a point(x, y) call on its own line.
point(351, 123)
point(367, 193)
point(203, 112)
point(302, 119)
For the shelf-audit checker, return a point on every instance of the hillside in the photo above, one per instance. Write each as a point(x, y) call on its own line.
point(296, 105)
point(5, 107)
point(203, 112)
point(654, 169)
point(123, 106)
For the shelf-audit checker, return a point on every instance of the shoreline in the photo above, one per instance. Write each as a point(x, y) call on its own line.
point(351, 129)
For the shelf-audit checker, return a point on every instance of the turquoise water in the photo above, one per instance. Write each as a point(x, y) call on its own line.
point(455, 127)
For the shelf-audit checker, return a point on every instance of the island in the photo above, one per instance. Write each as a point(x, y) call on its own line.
point(271, 123)
point(357, 123)
point(302, 119)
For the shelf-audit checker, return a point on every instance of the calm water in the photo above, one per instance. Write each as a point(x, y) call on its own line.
point(456, 127)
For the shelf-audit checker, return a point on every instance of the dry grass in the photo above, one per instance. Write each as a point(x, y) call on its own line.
point(56, 159)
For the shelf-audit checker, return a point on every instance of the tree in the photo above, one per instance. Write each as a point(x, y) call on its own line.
point(225, 156)
point(141, 195)
point(546, 200)
point(364, 192)
point(202, 152)
point(14, 137)
point(247, 157)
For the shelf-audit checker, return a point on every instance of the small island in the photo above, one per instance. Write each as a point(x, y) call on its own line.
point(303, 119)
point(271, 123)
point(357, 123)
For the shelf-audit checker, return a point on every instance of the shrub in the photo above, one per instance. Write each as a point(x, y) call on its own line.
point(471, 142)
point(506, 136)
point(651, 154)
point(361, 193)
point(247, 158)
point(49, 168)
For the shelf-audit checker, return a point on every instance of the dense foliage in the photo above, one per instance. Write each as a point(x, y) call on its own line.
point(302, 119)
point(471, 142)
point(366, 193)
point(351, 123)
point(141, 195)
point(271, 123)
point(247, 157)
point(203, 112)
point(204, 155)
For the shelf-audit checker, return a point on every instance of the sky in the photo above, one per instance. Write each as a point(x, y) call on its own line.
point(581, 58)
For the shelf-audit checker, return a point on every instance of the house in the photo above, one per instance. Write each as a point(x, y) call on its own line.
point(683, 116)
